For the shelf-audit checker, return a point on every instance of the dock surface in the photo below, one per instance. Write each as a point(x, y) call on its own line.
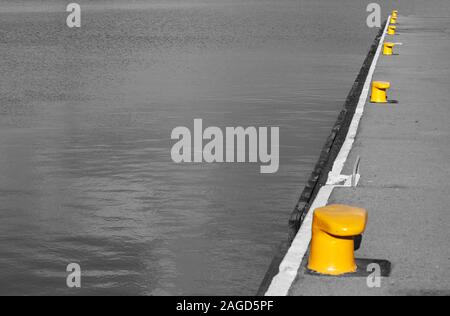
point(405, 170)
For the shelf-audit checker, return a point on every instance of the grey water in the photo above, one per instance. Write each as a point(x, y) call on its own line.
point(85, 122)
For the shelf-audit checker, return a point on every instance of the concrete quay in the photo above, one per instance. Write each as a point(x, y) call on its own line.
point(405, 170)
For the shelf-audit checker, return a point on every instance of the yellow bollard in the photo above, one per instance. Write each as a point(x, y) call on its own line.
point(333, 232)
point(388, 49)
point(393, 21)
point(395, 14)
point(379, 89)
point(392, 29)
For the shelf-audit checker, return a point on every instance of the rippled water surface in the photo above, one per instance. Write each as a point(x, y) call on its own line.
point(85, 122)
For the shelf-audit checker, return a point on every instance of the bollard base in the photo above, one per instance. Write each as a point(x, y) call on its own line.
point(364, 269)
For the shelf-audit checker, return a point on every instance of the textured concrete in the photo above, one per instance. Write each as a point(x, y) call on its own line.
point(405, 185)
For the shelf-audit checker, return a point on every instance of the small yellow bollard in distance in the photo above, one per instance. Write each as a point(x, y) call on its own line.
point(333, 232)
point(395, 13)
point(392, 29)
point(388, 49)
point(393, 21)
point(379, 91)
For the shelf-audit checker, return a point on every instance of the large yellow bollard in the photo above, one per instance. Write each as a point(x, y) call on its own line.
point(388, 49)
point(333, 232)
point(379, 91)
point(392, 29)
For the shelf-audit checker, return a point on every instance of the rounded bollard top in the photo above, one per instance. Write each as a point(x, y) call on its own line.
point(382, 85)
point(341, 220)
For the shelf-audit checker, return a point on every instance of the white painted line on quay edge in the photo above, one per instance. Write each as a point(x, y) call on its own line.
point(291, 263)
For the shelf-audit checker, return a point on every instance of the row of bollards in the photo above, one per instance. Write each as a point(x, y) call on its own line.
point(336, 227)
point(379, 88)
